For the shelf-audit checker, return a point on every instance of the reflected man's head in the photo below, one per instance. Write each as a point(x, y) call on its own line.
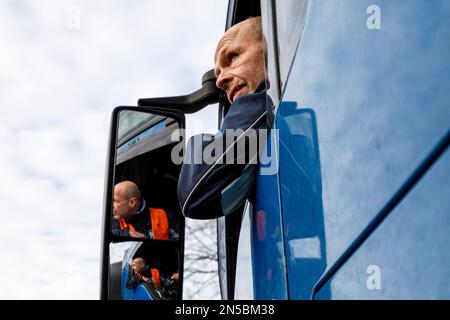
point(127, 199)
point(239, 59)
point(139, 265)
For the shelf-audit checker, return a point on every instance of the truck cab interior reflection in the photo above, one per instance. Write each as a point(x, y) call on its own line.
point(150, 271)
point(145, 203)
point(162, 282)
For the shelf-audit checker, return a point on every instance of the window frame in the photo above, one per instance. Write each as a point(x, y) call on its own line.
point(228, 228)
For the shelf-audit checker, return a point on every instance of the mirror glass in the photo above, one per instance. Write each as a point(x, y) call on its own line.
point(145, 178)
point(144, 271)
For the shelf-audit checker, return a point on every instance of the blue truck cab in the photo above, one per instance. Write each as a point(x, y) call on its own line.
point(353, 198)
point(359, 206)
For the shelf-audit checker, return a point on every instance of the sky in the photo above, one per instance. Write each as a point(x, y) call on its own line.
point(64, 65)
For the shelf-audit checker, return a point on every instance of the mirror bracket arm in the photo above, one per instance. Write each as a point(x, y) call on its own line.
point(190, 103)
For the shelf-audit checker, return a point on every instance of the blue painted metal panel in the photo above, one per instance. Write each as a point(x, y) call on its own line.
point(407, 257)
point(143, 135)
point(380, 101)
point(138, 293)
point(268, 257)
point(301, 198)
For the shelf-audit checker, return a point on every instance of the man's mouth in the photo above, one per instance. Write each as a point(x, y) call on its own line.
point(234, 92)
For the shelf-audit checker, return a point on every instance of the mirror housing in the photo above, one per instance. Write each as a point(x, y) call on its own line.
point(140, 149)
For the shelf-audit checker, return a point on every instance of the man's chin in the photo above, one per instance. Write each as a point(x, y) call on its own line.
point(241, 92)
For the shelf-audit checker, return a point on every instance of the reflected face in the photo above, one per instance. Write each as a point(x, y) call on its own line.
point(239, 60)
point(121, 205)
point(138, 265)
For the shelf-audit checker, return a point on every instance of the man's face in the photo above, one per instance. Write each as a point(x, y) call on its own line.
point(239, 61)
point(121, 205)
point(138, 265)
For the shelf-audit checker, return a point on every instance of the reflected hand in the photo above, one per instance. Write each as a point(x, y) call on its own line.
point(135, 234)
point(175, 276)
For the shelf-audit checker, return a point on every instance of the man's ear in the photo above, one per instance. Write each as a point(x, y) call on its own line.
point(133, 202)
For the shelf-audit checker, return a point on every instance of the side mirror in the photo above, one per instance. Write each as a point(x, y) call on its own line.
point(143, 228)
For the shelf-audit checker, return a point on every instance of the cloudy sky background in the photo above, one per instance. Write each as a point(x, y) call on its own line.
point(64, 65)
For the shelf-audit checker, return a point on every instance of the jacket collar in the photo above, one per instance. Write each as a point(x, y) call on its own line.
point(143, 206)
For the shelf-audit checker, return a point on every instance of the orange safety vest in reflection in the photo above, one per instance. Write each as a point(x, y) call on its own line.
point(156, 277)
point(124, 225)
point(160, 224)
point(160, 230)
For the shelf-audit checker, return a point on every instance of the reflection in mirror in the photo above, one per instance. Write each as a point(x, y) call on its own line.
point(144, 271)
point(145, 188)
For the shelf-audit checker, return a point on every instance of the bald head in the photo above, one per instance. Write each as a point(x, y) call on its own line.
point(250, 28)
point(128, 189)
point(127, 199)
point(139, 265)
point(239, 59)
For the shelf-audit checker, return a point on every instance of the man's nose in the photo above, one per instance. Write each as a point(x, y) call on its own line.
point(223, 80)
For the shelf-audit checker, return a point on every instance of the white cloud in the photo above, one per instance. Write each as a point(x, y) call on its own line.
point(57, 90)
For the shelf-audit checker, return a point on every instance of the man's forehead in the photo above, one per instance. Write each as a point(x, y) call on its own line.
point(118, 190)
point(120, 186)
point(242, 30)
point(226, 39)
point(120, 195)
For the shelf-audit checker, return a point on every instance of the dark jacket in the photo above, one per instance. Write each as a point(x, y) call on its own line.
point(215, 187)
point(134, 279)
point(140, 222)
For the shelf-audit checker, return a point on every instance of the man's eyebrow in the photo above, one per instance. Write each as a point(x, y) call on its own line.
point(218, 58)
